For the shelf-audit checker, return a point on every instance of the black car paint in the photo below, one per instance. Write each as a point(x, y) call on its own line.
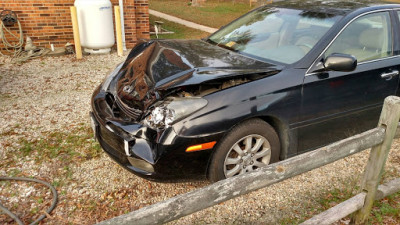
point(149, 146)
point(176, 63)
point(306, 110)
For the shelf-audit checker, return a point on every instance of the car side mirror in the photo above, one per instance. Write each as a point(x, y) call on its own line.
point(340, 62)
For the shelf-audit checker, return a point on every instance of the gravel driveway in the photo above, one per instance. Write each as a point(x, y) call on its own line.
point(44, 107)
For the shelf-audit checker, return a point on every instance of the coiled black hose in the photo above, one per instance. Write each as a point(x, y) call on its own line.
point(53, 204)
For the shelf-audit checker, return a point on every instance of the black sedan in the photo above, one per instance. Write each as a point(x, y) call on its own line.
point(281, 80)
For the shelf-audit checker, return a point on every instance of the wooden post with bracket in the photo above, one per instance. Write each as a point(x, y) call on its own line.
point(377, 159)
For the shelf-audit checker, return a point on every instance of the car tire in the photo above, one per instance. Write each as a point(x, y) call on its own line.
point(248, 146)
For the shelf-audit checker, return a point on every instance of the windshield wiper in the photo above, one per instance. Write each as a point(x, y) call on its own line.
point(226, 47)
point(221, 45)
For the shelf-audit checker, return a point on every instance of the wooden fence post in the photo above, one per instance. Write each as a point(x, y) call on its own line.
point(118, 30)
point(377, 158)
point(75, 27)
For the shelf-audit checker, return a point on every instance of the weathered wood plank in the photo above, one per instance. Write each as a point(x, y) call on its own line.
point(339, 211)
point(351, 205)
point(75, 28)
point(388, 188)
point(397, 135)
point(224, 190)
point(377, 159)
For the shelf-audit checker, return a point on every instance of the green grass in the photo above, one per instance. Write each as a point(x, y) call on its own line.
point(211, 13)
point(180, 31)
point(71, 147)
point(325, 201)
point(384, 211)
point(336, 196)
point(62, 148)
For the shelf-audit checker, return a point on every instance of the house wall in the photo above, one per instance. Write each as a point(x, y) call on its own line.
point(49, 21)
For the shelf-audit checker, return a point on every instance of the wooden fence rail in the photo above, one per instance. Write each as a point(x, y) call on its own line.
point(352, 204)
point(188, 203)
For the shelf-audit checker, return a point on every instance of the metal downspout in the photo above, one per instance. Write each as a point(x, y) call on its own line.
point(121, 6)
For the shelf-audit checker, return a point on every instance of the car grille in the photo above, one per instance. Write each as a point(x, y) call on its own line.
point(119, 109)
point(112, 144)
point(133, 113)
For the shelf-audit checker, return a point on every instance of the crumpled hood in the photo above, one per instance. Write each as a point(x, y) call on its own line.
point(165, 64)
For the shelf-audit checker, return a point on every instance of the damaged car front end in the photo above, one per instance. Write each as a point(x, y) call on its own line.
point(142, 111)
point(281, 80)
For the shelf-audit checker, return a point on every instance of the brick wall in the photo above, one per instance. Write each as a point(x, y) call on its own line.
point(49, 21)
point(142, 18)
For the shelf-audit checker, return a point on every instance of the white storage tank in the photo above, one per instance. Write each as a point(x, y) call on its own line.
point(95, 21)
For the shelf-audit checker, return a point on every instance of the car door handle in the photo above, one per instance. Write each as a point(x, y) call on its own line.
point(388, 76)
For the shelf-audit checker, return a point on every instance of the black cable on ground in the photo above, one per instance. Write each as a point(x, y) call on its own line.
point(53, 204)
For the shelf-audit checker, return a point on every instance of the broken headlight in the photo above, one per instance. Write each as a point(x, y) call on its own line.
point(173, 110)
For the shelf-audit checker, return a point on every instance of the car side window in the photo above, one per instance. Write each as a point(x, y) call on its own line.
point(367, 38)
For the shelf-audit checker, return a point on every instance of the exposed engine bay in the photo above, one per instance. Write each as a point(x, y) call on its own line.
point(159, 84)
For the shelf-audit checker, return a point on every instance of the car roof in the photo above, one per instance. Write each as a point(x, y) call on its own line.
point(335, 7)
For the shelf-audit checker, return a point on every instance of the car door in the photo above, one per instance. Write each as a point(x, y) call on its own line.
point(336, 105)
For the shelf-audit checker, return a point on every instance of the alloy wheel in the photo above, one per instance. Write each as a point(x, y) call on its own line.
point(249, 153)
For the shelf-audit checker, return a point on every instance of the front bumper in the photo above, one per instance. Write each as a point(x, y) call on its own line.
point(149, 154)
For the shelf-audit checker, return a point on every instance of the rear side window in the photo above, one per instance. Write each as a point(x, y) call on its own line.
point(367, 38)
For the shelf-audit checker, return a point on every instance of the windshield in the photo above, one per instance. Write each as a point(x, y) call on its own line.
point(280, 35)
